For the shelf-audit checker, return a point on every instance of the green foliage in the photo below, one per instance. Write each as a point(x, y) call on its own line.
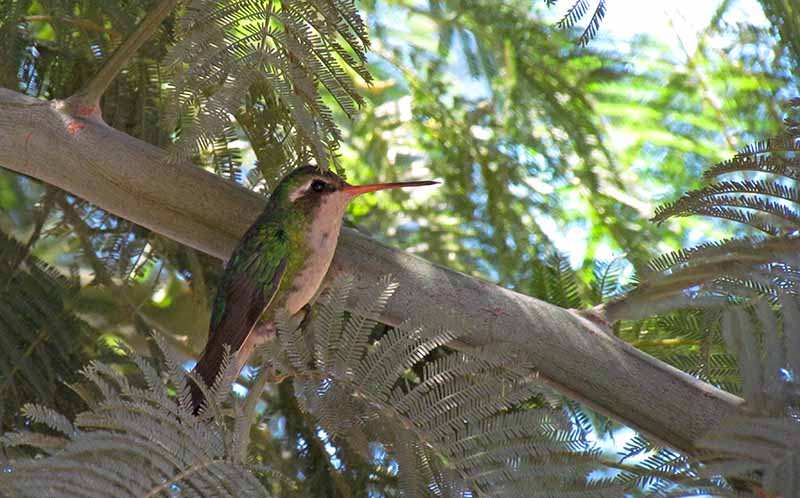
point(286, 49)
point(457, 423)
point(132, 441)
point(768, 205)
point(543, 147)
point(752, 284)
point(554, 281)
point(608, 281)
point(524, 134)
point(687, 339)
point(764, 265)
point(41, 340)
point(548, 140)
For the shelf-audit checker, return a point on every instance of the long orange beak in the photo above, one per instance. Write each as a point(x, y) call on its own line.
point(355, 190)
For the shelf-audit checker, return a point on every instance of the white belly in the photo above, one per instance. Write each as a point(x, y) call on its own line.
point(321, 241)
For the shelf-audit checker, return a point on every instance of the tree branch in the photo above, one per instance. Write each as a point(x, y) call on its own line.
point(89, 97)
point(133, 179)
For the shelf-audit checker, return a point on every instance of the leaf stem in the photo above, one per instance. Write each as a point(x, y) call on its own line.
point(179, 477)
point(249, 409)
point(654, 343)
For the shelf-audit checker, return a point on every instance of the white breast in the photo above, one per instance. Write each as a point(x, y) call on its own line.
point(321, 240)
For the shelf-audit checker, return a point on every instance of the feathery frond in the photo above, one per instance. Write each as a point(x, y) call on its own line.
point(594, 24)
point(769, 164)
point(576, 12)
point(298, 50)
point(457, 423)
point(740, 268)
point(554, 281)
point(762, 443)
point(761, 204)
point(768, 205)
point(134, 441)
point(606, 282)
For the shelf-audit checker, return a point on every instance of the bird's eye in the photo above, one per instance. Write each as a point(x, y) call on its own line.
point(317, 185)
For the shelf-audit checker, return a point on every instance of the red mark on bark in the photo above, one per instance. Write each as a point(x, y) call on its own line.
point(496, 311)
point(599, 320)
point(74, 127)
point(28, 137)
point(86, 111)
point(83, 113)
point(763, 493)
point(594, 317)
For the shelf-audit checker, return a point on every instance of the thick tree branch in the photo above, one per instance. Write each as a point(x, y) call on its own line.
point(132, 179)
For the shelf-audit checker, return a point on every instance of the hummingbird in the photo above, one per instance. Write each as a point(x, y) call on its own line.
point(278, 264)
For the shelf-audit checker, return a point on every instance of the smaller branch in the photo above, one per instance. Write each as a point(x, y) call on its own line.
point(657, 343)
point(198, 281)
point(706, 91)
point(247, 415)
point(183, 475)
point(86, 102)
point(41, 218)
point(84, 24)
point(81, 230)
point(654, 291)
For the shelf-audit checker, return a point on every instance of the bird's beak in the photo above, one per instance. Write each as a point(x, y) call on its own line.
point(355, 190)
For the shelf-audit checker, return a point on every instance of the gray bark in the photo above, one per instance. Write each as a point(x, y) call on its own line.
point(133, 180)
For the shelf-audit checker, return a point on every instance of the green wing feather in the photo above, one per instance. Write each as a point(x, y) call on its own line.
point(249, 285)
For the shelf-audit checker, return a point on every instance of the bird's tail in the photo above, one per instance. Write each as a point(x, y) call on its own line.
point(215, 361)
point(208, 368)
point(197, 397)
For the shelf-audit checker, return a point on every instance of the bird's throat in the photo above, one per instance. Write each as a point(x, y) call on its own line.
point(320, 245)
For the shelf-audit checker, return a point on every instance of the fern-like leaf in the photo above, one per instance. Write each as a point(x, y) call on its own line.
point(606, 283)
point(455, 422)
point(594, 24)
point(134, 442)
point(576, 12)
point(764, 441)
point(291, 49)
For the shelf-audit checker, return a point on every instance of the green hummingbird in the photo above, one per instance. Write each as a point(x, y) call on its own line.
point(278, 264)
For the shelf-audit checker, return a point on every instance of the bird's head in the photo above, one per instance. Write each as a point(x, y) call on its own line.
point(308, 189)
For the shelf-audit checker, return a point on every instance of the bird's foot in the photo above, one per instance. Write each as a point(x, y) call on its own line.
point(302, 318)
point(264, 332)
